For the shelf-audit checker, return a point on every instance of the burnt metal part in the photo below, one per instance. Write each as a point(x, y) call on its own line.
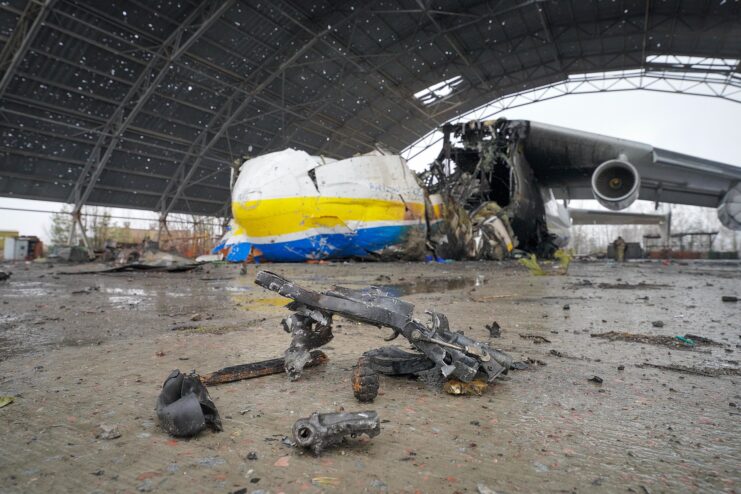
point(495, 330)
point(257, 369)
point(393, 361)
point(364, 380)
point(490, 166)
point(454, 354)
point(184, 407)
point(322, 430)
point(309, 329)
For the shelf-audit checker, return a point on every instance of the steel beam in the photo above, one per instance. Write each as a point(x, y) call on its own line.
point(179, 41)
point(20, 40)
point(211, 66)
point(222, 121)
point(454, 43)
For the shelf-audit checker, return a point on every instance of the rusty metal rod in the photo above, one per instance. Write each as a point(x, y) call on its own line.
point(257, 369)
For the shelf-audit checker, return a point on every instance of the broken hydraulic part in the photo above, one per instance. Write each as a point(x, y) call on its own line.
point(393, 361)
point(257, 369)
point(309, 329)
point(364, 381)
point(452, 354)
point(322, 430)
point(184, 407)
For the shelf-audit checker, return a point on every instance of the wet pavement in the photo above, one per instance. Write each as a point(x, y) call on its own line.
point(78, 351)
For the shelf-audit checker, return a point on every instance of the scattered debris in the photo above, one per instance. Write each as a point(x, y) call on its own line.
point(657, 324)
point(107, 432)
point(252, 456)
point(483, 489)
point(325, 481)
point(495, 330)
point(567, 307)
point(320, 431)
point(534, 361)
point(686, 342)
point(451, 353)
point(86, 291)
point(257, 369)
point(184, 407)
point(4, 275)
point(595, 379)
point(620, 286)
point(698, 371)
point(519, 366)
point(154, 262)
point(729, 298)
point(476, 387)
point(703, 340)
point(537, 339)
point(562, 256)
point(531, 263)
point(6, 400)
point(73, 254)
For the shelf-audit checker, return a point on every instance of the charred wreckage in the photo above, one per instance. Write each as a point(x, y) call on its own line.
point(496, 185)
point(442, 357)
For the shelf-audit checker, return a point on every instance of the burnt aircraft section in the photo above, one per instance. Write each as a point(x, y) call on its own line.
point(486, 166)
point(522, 167)
point(445, 353)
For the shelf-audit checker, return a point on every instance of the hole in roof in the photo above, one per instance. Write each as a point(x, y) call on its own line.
point(690, 62)
point(438, 91)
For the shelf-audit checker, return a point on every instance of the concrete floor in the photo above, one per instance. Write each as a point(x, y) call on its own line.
point(79, 351)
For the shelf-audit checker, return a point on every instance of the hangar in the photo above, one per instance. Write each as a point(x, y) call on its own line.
point(148, 105)
point(580, 374)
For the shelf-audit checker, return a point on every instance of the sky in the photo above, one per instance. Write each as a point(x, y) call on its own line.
point(699, 126)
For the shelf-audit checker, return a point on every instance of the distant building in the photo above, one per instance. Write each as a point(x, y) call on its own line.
point(3, 235)
point(26, 248)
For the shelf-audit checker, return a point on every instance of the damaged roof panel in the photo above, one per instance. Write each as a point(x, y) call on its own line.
point(349, 70)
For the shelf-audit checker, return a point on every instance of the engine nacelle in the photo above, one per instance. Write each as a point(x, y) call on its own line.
point(615, 184)
point(729, 211)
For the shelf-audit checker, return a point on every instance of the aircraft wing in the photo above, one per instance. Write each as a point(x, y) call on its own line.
point(564, 160)
point(599, 217)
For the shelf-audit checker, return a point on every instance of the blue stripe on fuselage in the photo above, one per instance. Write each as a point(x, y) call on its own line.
point(336, 245)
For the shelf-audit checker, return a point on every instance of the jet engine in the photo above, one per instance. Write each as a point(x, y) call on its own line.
point(615, 184)
point(729, 211)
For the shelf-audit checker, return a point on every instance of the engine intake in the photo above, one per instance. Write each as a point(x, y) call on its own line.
point(615, 184)
point(729, 211)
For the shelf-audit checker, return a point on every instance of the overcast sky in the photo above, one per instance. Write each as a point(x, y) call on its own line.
point(700, 126)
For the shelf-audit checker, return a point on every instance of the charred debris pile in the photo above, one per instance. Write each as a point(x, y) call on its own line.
point(492, 202)
point(442, 357)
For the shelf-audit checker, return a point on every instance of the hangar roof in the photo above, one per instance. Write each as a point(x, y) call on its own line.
point(146, 104)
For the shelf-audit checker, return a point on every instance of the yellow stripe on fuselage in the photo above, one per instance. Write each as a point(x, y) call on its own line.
point(270, 217)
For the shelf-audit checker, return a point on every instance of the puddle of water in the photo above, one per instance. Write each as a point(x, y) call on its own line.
point(126, 291)
point(431, 285)
point(24, 289)
point(178, 294)
point(232, 288)
point(123, 301)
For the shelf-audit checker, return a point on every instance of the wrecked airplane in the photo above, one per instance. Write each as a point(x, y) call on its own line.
point(289, 206)
point(495, 185)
